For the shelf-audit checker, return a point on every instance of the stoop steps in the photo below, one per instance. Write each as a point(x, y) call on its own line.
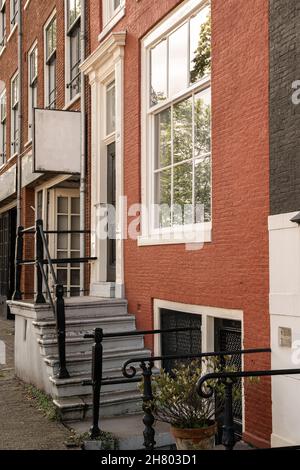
point(83, 315)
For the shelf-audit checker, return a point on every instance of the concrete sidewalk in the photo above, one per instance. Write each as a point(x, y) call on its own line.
point(22, 425)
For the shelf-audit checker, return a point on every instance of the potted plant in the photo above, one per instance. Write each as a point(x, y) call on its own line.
point(176, 402)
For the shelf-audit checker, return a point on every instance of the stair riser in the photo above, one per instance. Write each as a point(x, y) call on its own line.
point(67, 391)
point(107, 410)
point(125, 343)
point(84, 368)
point(96, 311)
point(49, 332)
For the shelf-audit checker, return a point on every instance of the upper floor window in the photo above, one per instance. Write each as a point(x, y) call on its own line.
point(32, 90)
point(50, 75)
point(73, 47)
point(111, 8)
point(2, 24)
point(110, 108)
point(14, 12)
point(3, 116)
point(177, 107)
point(14, 135)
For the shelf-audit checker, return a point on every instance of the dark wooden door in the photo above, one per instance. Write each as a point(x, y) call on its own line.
point(7, 257)
point(228, 338)
point(111, 200)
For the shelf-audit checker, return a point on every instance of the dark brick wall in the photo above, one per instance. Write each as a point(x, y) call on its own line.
point(284, 115)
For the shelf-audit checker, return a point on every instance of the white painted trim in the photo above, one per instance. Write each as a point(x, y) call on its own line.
point(68, 100)
point(105, 64)
point(107, 27)
point(26, 4)
point(2, 50)
point(8, 207)
point(49, 20)
point(29, 90)
point(208, 314)
point(282, 221)
point(12, 32)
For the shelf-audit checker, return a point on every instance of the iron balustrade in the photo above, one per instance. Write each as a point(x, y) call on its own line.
point(146, 364)
point(43, 258)
point(205, 390)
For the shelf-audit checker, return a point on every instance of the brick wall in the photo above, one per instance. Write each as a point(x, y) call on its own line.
point(284, 115)
point(232, 271)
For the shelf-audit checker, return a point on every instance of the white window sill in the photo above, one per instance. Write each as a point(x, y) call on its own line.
point(72, 101)
point(2, 50)
point(26, 4)
point(112, 22)
point(196, 234)
point(28, 143)
point(12, 32)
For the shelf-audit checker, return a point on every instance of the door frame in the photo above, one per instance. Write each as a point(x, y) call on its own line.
point(208, 314)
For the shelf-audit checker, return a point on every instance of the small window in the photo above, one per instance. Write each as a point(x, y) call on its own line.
point(50, 75)
point(14, 12)
point(111, 8)
point(110, 108)
point(3, 117)
point(32, 92)
point(74, 47)
point(2, 24)
point(14, 113)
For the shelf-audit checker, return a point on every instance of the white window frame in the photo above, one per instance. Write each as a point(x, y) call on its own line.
point(3, 127)
point(14, 14)
point(3, 30)
point(68, 99)
point(52, 18)
point(192, 233)
point(208, 314)
point(31, 81)
point(14, 108)
point(110, 16)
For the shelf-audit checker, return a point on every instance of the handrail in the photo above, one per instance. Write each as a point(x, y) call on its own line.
point(146, 365)
point(57, 303)
point(205, 390)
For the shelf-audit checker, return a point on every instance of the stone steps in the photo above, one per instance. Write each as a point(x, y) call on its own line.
point(81, 362)
point(112, 404)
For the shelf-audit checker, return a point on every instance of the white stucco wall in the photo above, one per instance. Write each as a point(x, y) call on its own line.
point(284, 238)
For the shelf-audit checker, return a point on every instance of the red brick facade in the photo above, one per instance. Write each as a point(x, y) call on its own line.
point(231, 271)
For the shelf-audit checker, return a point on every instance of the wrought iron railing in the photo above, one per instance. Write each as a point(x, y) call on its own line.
point(146, 365)
point(205, 390)
point(55, 294)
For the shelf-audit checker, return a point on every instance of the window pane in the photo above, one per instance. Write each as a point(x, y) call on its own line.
point(75, 241)
point(75, 291)
point(163, 123)
point(62, 241)
point(62, 205)
point(183, 130)
point(163, 198)
point(75, 222)
point(203, 189)
point(111, 106)
point(75, 205)
point(75, 277)
point(183, 194)
point(159, 89)
point(62, 255)
point(62, 222)
point(116, 3)
point(62, 276)
point(178, 60)
point(200, 45)
point(202, 123)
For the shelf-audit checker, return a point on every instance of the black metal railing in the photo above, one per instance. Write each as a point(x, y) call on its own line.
point(146, 365)
point(205, 390)
point(55, 295)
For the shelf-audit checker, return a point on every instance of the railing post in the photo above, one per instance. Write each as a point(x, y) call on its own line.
point(39, 256)
point(17, 295)
point(228, 438)
point(61, 331)
point(97, 366)
point(148, 420)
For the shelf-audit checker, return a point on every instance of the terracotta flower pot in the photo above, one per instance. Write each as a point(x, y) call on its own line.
point(195, 439)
